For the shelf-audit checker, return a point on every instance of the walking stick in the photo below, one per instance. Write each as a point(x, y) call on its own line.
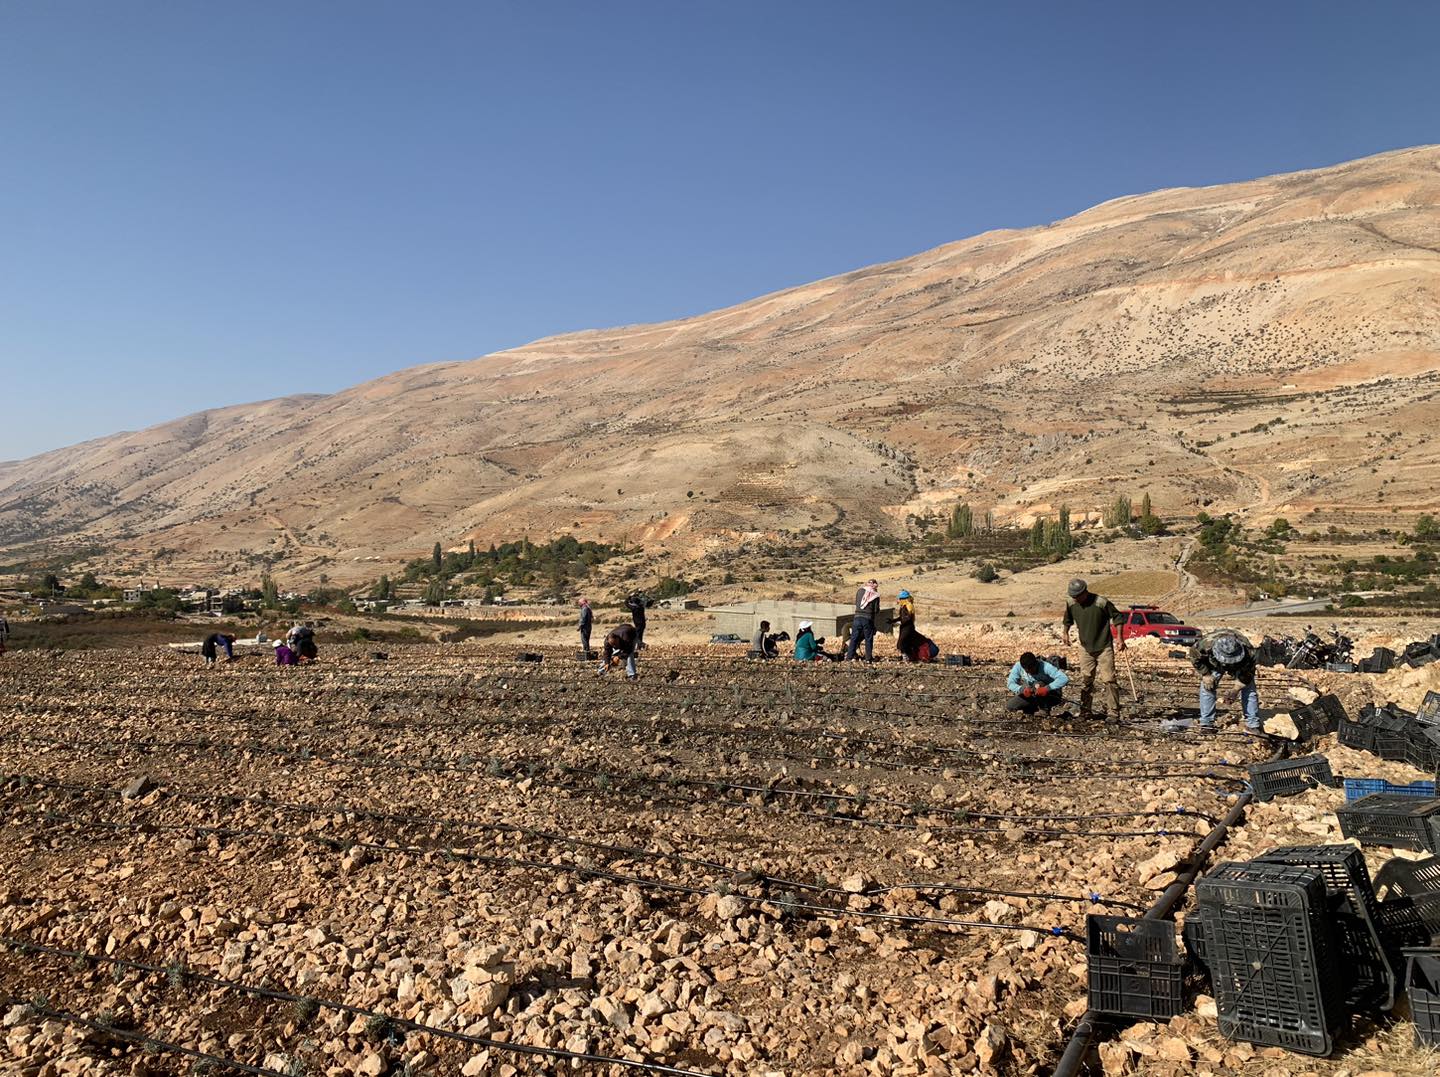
point(1130, 673)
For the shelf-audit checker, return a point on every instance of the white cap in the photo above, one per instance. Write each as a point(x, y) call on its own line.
point(804, 625)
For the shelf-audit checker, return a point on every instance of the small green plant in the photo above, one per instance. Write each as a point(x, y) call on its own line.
point(304, 1010)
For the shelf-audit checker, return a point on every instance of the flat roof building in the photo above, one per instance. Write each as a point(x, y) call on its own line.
point(831, 619)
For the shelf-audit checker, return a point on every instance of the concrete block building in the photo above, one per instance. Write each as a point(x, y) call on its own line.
point(831, 619)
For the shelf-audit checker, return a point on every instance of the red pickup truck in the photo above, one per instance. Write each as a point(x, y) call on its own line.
point(1152, 621)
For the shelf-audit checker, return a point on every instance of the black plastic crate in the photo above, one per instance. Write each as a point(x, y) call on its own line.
point(1422, 746)
point(1429, 711)
point(1286, 777)
point(1322, 716)
point(1135, 968)
point(1364, 965)
point(1381, 660)
point(1400, 877)
point(1412, 887)
point(1403, 924)
point(1392, 736)
point(1422, 985)
point(1358, 733)
point(1271, 949)
point(1394, 820)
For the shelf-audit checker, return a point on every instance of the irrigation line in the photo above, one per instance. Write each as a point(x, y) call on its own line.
point(563, 867)
point(1092, 898)
point(1092, 1021)
point(143, 1040)
point(463, 765)
point(24, 946)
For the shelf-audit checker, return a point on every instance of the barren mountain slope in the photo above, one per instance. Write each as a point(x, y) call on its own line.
point(1272, 346)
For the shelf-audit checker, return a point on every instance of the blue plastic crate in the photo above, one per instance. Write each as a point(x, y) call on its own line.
point(1355, 788)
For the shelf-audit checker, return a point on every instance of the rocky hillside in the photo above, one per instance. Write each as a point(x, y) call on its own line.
point(1271, 345)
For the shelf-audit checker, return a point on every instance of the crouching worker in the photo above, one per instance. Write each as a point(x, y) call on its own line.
point(1216, 655)
point(808, 648)
point(764, 644)
point(284, 656)
point(622, 642)
point(1035, 685)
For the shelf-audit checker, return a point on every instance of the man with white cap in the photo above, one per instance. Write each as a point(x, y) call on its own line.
point(1218, 654)
point(1092, 617)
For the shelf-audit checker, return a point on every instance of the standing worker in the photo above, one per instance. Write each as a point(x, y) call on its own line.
point(209, 650)
point(1092, 616)
point(587, 618)
point(867, 608)
point(622, 642)
point(1217, 654)
point(636, 604)
point(1035, 685)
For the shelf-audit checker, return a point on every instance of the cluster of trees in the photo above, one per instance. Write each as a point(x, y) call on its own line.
point(555, 565)
point(1121, 513)
point(1054, 535)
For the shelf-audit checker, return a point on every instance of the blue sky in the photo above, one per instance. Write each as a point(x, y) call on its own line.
point(205, 203)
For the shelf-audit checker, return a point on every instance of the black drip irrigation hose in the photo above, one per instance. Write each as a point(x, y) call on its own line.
point(459, 766)
point(142, 1040)
point(1091, 1023)
point(175, 968)
point(633, 852)
point(581, 871)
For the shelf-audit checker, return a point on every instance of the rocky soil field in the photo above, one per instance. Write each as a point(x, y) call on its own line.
point(447, 861)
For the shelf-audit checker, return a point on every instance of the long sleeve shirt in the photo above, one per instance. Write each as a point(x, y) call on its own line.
point(1092, 622)
point(1050, 676)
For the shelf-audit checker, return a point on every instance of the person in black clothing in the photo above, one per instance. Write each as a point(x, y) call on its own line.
point(636, 604)
point(209, 650)
point(587, 618)
point(302, 642)
point(867, 608)
point(621, 642)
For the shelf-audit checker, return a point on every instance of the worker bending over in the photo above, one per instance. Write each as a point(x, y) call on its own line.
point(1219, 654)
point(621, 642)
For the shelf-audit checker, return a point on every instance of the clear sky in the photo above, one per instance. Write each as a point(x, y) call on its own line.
point(203, 203)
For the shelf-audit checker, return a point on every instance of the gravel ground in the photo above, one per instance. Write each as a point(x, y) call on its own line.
point(729, 867)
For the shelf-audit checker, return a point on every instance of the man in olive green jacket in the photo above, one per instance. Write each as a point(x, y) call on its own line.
point(1092, 616)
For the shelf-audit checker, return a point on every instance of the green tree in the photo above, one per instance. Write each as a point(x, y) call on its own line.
point(1279, 527)
point(384, 589)
point(1037, 533)
point(1145, 506)
point(1118, 513)
point(986, 573)
point(1427, 527)
point(437, 557)
point(269, 593)
point(962, 522)
point(436, 592)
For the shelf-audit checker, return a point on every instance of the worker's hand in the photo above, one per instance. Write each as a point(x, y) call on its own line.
point(1065, 638)
point(1209, 682)
point(1120, 641)
point(1042, 690)
point(1027, 692)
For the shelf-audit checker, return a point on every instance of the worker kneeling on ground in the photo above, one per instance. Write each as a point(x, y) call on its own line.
point(1092, 617)
point(1218, 654)
point(1035, 685)
point(621, 642)
point(808, 648)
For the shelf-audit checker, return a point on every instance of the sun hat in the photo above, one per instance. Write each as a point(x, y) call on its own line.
point(804, 625)
point(1077, 588)
point(1228, 650)
point(904, 594)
